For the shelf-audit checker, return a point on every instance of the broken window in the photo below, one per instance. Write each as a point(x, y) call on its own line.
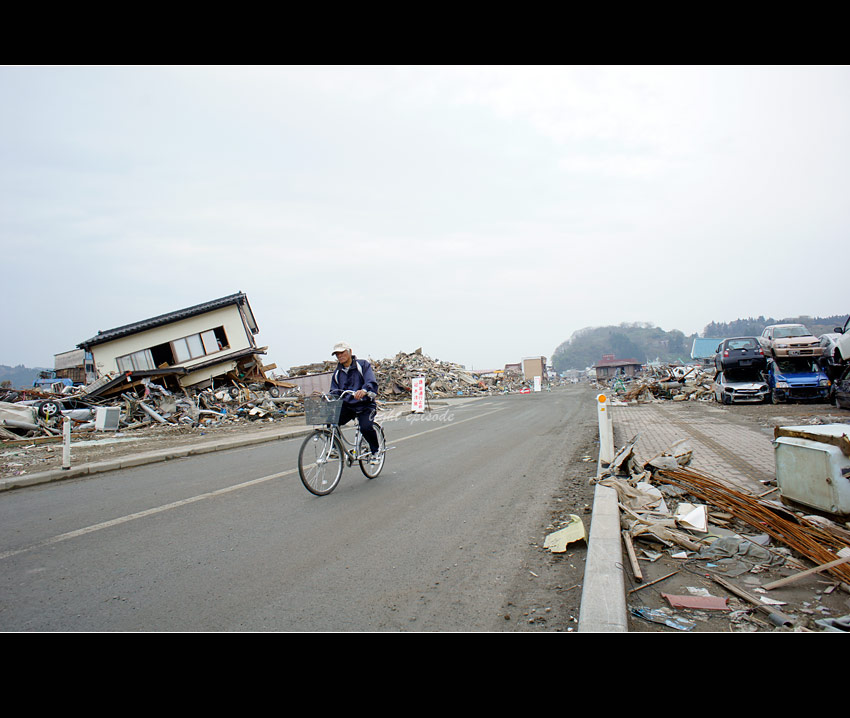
point(137, 361)
point(198, 345)
point(175, 352)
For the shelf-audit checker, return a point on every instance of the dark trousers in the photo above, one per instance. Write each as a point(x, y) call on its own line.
point(365, 415)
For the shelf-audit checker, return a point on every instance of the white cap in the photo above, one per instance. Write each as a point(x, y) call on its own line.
point(341, 347)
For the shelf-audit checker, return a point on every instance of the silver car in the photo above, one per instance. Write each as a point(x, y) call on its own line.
point(790, 340)
point(740, 388)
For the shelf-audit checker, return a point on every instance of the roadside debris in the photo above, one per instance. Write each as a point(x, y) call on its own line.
point(141, 403)
point(725, 535)
point(664, 383)
point(558, 541)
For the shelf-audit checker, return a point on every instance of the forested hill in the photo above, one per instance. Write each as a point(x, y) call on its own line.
point(641, 341)
point(754, 326)
point(18, 377)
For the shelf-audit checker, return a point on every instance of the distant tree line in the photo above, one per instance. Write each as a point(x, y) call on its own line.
point(754, 326)
point(17, 377)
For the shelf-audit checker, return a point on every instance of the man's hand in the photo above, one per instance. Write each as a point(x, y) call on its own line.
point(359, 394)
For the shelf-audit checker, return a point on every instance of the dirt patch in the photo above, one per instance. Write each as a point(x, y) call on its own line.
point(548, 597)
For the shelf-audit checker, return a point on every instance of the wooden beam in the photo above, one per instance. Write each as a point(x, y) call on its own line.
point(630, 550)
point(803, 574)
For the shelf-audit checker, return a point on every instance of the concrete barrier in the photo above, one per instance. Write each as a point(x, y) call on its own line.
point(603, 596)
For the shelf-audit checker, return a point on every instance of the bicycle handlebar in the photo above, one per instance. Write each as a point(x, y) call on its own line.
point(352, 392)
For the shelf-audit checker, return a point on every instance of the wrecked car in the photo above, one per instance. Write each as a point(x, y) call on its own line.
point(790, 340)
point(740, 353)
point(741, 386)
point(797, 380)
point(841, 351)
point(830, 361)
point(841, 390)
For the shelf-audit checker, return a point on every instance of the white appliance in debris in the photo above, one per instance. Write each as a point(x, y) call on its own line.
point(106, 418)
point(813, 465)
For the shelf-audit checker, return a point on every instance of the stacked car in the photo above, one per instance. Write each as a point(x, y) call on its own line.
point(739, 363)
point(785, 363)
point(790, 341)
point(836, 363)
point(797, 380)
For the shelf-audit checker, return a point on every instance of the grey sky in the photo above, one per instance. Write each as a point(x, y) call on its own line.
point(482, 213)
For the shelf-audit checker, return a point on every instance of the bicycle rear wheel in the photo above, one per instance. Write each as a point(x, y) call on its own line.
point(372, 467)
point(320, 462)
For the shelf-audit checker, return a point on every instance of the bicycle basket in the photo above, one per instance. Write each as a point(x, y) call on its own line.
point(318, 410)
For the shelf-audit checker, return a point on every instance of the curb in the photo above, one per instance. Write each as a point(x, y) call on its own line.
point(603, 596)
point(177, 452)
point(150, 457)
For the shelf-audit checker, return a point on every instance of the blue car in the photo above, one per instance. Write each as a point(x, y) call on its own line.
point(797, 380)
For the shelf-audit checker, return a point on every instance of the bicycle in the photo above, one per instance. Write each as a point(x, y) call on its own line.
point(324, 453)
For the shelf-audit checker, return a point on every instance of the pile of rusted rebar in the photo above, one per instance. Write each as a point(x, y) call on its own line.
point(811, 540)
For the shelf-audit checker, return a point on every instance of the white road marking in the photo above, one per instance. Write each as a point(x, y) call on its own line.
point(200, 497)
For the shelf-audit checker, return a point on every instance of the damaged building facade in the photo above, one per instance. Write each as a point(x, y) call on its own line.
point(188, 346)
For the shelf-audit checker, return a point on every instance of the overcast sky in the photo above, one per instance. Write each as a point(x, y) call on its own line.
point(481, 213)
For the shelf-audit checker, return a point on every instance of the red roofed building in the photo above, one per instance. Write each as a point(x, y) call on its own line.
point(610, 366)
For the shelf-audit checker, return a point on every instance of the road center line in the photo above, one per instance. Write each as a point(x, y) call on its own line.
point(193, 499)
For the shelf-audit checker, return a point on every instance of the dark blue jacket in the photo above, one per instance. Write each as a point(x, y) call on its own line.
point(359, 376)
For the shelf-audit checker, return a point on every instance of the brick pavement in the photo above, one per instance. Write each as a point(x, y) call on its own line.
point(732, 452)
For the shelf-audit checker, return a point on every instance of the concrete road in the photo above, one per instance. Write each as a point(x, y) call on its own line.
point(233, 542)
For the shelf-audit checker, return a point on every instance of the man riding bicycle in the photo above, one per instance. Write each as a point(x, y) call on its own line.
point(353, 374)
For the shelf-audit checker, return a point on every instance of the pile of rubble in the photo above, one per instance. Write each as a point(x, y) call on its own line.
point(666, 383)
point(395, 376)
point(721, 533)
point(28, 415)
point(111, 403)
point(442, 379)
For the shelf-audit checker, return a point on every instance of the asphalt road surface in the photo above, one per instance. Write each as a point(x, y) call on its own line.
point(443, 540)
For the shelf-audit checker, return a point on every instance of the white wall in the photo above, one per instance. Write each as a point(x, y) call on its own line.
point(229, 317)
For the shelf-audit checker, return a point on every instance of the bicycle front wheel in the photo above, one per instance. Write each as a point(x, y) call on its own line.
point(320, 462)
point(372, 466)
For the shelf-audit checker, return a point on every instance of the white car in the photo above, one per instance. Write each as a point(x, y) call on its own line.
point(841, 352)
point(740, 388)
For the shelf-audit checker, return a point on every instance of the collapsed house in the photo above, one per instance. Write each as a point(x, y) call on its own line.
point(194, 366)
point(188, 347)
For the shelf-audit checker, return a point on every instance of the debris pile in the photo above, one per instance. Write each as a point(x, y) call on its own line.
point(667, 383)
point(36, 414)
point(442, 378)
point(668, 508)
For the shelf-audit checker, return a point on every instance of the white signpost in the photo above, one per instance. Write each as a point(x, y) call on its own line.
point(537, 383)
point(417, 395)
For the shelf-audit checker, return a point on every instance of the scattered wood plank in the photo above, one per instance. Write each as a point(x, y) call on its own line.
point(797, 576)
point(630, 551)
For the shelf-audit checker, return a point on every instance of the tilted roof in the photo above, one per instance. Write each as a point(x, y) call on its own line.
point(110, 334)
